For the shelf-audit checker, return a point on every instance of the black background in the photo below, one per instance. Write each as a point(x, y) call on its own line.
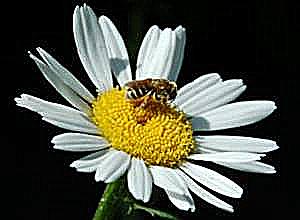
point(255, 41)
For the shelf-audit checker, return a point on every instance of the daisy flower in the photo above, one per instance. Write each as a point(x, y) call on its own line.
point(163, 149)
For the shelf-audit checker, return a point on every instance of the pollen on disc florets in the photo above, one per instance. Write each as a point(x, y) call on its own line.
point(156, 133)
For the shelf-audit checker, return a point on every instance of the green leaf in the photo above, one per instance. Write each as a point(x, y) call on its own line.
point(155, 212)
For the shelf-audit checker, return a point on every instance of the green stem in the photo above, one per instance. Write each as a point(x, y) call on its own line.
point(115, 202)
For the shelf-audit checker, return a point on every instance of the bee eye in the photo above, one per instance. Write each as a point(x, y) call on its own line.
point(157, 97)
point(172, 95)
point(163, 93)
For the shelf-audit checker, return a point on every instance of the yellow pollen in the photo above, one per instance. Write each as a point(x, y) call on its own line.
point(152, 131)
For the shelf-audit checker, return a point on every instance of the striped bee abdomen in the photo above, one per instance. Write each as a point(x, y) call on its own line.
point(135, 93)
point(161, 90)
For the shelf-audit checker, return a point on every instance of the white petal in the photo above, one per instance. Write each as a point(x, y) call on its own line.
point(178, 53)
point(43, 107)
point(112, 166)
point(203, 150)
point(71, 126)
point(184, 202)
point(91, 47)
point(79, 142)
point(236, 143)
point(89, 163)
point(59, 115)
point(161, 63)
point(146, 52)
point(233, 115)
point(212, 180)
point(66, 76)
point(168, 179)
point(139, 180)
point(117, 51)
point(78, 147)
point(253, 166)
point(62, 88)
point(231, 157)
point(198, 85)
point(203, 194)
point(215, 96)
point(79, 120)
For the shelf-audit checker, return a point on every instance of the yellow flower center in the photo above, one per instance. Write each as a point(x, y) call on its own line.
point(146, 129)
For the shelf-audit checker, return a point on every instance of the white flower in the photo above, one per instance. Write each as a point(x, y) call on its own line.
point(205, 102)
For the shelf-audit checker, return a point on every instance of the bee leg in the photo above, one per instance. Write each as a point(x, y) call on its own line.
point(136, 102)
point(142, 102)
point(146, 101)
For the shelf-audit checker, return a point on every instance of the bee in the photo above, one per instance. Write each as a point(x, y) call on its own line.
point(161, 90)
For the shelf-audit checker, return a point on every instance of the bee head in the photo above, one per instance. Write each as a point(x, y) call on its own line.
point(172, 91)
point(165, 90)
